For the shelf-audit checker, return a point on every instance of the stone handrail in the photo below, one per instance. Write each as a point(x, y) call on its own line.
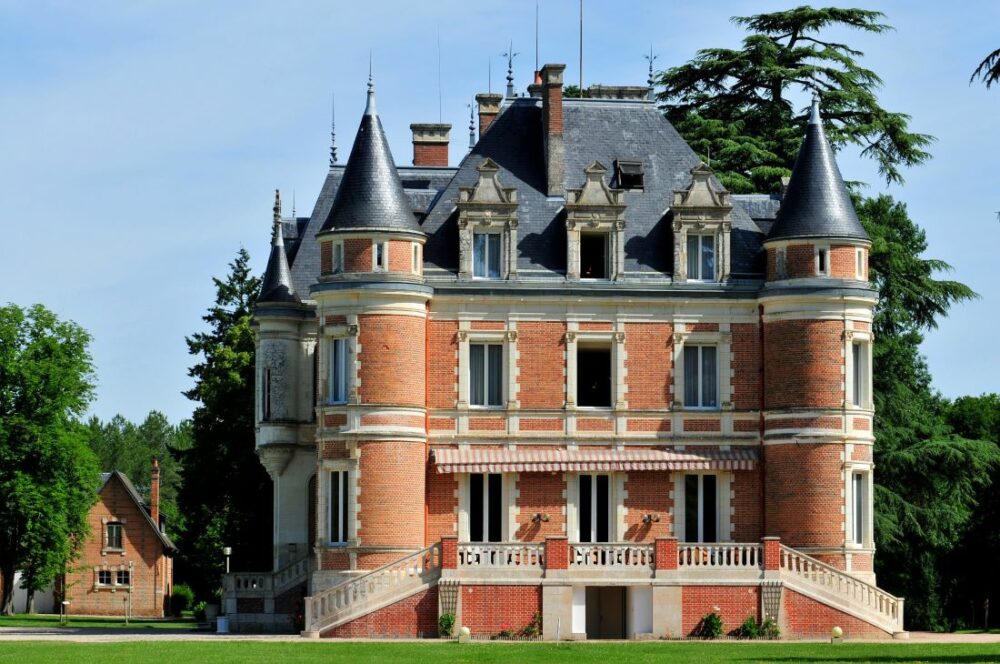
point(823, 577)
point(613, 555)
point(722, 555)
point(501, 555)
point(291, 575)
point(326, 608)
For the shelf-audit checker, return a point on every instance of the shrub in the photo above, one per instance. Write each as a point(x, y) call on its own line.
point(769, 629)
point(748, 630)
point(182, 599)
point(446, 623)
point(534, 628)
point(506, 632)
point(710, 626)
point(199, 611)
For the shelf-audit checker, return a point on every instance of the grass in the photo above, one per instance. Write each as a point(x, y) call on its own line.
point(81, 622)
point(240, 652)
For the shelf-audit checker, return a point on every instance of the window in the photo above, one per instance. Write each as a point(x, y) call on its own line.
point(337, 258)
point(338, 506)
point(628, 175)
point(114, 535)
point(593, 255)
point(860, 263)
point(593, 377)
point(700, 509)
point(486, 255)
point(122, 578)
point(416, 258)
point(779, 264)
point(701, 389)
point(380, 250)
point(338, 371)
point(485, 374)
point(104, 577)
point(485, 507)
point(595, 508)
point(823, 261)
point(859, 371)
point(701, 257)
point(266, 394)
point(858, 496)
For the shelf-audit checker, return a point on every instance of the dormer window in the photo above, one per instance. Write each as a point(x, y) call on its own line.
point(628, 175)
point(487, 227)
point(594, 255)
point(701, 257)
point(486, 253)
point(595, 228)
point(702, 228)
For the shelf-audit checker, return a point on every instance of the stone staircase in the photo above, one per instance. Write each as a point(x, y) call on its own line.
point(372, 591)
point(263, 601)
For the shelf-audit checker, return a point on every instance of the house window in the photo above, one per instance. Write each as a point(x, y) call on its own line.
point(338, 371)
point(266, 394)
point(701, 385)
point(485, 374)
point(779, 264)
point(593, 255)
point(104, 577)
point(337, 258)
point(114, 535)
point(859, 497)
point(416, 258)
point(860, 263)
point(701, 257)
point(485, 507)
point(859, 370)
point(593, 377)
point(594, 508)
point(628, 175)
point(700, 508)
point(338, 506)
point(486, 255)
point(823, 261)
point(380, 252)
point(123, 578)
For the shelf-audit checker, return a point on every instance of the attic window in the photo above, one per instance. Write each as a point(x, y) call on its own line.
point(628, 175)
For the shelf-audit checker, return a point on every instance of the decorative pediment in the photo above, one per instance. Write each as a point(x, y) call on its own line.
point(595, 193)
point(701, 193)
point(487, 191)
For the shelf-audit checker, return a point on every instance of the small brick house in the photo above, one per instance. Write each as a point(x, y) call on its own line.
point(572, 379)
point(126, 565)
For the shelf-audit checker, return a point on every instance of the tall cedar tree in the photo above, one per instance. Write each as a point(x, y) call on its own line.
point(48, 476)
point(988, 70)
point(734, 106)
point(226, 497)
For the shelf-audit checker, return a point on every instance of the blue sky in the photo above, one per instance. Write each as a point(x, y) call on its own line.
point(142, 142)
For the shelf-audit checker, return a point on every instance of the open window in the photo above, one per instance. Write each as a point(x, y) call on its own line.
point(594, 508)
point(593, 377)
point(594, 255)
point(486, 507)
point(628, 175)
point(701, 512)
point(338, 506)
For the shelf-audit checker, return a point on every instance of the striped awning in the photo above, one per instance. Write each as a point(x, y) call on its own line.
point(542, 459)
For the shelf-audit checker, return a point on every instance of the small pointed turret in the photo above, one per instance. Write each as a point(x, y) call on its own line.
point(371, 195)
point(816, 203)
point(277, 286)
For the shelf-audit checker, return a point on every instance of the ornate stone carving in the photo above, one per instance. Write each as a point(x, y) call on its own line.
point(595, 207)
point(487, 205)
point(511, 335)
point(620, 337)
point(570, 337)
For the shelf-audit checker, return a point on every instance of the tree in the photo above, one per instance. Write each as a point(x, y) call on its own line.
point(988, 70)
point(733, 106)
point(226, 496)
point(48, 476)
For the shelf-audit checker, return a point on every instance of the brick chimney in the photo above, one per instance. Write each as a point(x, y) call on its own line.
point(154, 494)
point(552, 119)
point(430, 144)
point(489, 109)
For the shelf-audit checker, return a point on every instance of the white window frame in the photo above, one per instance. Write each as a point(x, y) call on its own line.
point(615, 339)
point(864, 471)
point(718, 387)
point(121, 535)
point(859, 260)
point(508, 482)
point(702, 238)
point(723, 505)
point(499, 233)
point(486, 375)
point(332, 360)
point(467, 337)
point(824, 251)
point(377, 246)
point(417, 259)
point(852, 399)
point(344, 533)
point(117, 578)
point(613, 494)
point(336, 257)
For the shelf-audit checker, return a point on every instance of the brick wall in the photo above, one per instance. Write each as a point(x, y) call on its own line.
point(542, 364)
point(442, 363)
point(358, 255)
point(391, 490)
point(391, 359)
point(649, 365)
point(417, 615)
point(442, 503)
point(540, 493)
point(152, 570)
point(401, 256)
point(734, 604)
point(430, 154)
point(746, 366)
point(804, 508)
point(489, 609)
point(807, 618)
point(804, 361)
point(800, 262)
point(746, 505)
point(648, 493)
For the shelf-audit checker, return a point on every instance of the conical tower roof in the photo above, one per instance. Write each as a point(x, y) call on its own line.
point(370, 195)
point(277, 286)
point(816, 203)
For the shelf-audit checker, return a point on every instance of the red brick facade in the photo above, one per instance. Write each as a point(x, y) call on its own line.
point(490, 609)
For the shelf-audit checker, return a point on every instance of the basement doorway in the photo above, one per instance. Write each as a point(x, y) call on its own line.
point(605, 612)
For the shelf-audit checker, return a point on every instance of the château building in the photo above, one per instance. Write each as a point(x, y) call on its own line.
point(572, 380)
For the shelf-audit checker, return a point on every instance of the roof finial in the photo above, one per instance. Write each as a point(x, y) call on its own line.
point(814, 114)
point(370, 106)
point(277, 239)
point(333, 130)
point(293, 204)
point(472, 129)
point(650, 80)
point(510, 55)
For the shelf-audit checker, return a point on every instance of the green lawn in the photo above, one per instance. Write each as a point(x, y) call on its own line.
point(49, 620)
point(239, 652)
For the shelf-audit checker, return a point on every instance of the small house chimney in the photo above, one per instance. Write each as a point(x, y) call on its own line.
point(430, 144)
point(489, 109)
point(154, 494)
point(552, 118)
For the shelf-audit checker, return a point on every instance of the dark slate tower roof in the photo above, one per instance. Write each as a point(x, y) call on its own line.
point(370, 195)
point(816, 203)
point(277, 286)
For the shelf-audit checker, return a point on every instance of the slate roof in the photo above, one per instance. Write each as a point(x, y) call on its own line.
point(134, 494)
point(277, 285)
point(370, 194)
point(816, 202)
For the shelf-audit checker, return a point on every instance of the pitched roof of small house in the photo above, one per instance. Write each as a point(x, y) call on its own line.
point(134, 494)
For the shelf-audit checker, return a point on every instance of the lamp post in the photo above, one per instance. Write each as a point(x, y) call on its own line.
point(227, 551)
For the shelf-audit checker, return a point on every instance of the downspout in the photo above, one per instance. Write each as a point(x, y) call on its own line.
point(763, 476)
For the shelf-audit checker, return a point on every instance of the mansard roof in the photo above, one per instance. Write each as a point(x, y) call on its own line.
point(816, 203)
point(370, 195)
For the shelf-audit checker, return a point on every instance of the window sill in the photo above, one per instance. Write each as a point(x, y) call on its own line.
point(701, 409)
point(595, 409)
point(498, 408)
